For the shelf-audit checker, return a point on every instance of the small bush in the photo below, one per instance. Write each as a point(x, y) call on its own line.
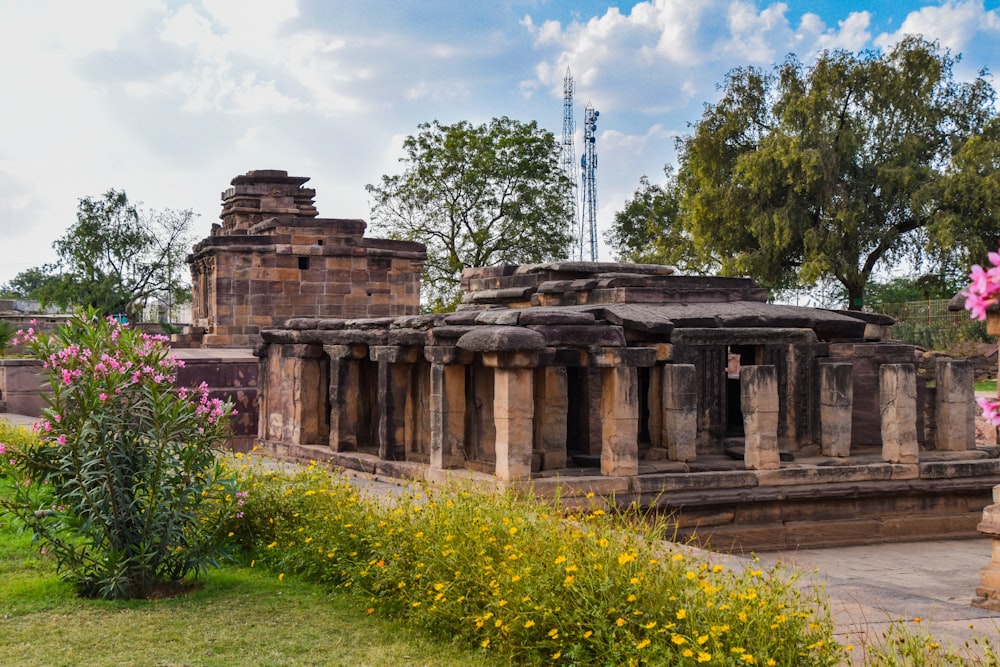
point(120, 484)
point(529, 581)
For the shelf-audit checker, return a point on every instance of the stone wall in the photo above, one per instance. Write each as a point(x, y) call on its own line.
point(273, 259)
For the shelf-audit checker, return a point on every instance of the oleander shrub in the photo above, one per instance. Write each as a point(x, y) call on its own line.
point(120, 483)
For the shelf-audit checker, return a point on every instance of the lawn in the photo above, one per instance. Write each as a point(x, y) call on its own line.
point(239, 616)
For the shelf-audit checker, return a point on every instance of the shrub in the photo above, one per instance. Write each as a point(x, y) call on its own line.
point(121, 484)
point(529, 580)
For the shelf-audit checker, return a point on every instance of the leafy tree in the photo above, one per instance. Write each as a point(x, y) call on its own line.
point(649, 231)
point(30, 283)
point(838, 168)
point(476, 196)
point(115, 257)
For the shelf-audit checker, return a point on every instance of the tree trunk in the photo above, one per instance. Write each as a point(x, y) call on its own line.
point(855, 297)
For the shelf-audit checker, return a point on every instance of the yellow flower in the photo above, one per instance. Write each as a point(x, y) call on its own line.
point(586, 635)
point(554, 632)
point(677, 639)
point(568, 581)
point(681, 614)
point(486, 642)
point(560, 559)
point(556, 655)
point(281, 576)
point(650, 625)
point(704, 657)
point(643, 644)
point(529, 624)
point(688, 653)
point(620, 622)
point(677, 557)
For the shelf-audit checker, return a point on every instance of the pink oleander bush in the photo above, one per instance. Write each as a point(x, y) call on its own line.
point(121, 484)
point(983, 292)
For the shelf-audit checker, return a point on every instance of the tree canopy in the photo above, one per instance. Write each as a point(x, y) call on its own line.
point(836, 170)
point(113, 259)
point(476, 196)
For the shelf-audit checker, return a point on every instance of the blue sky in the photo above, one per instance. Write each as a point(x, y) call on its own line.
point(169, 100)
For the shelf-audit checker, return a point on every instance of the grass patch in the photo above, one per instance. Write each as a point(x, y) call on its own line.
point(238, 616)
point(987, 385)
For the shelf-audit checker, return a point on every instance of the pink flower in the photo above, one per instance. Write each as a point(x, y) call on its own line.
point(61, 439)
point(102, 396)
point(3, 448)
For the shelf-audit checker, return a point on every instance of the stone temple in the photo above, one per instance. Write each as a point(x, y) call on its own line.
point(754, 424)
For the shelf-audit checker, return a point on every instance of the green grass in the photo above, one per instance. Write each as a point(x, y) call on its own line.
point(987, 385)
point(239, 616)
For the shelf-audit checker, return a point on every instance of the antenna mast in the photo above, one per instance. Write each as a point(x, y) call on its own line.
point(568, 154)
point(588, 162)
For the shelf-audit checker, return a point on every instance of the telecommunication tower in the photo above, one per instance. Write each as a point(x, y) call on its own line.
point(568, 154)
point(588, 162)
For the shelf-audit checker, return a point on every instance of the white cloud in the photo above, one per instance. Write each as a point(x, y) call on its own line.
point(954, 24)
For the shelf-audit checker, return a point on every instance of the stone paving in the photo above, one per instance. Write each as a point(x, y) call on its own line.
point(870, 586)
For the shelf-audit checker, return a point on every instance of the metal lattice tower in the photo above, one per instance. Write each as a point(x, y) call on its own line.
point(588, 162)
point(568, 154)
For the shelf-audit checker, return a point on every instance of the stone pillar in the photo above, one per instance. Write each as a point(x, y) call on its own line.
point(988, 591)
point(898, 388)
point(447, 406)
point(680, 411)
point(552, 405)
point(619, 421)
point(344, 395)
point(759, 403)
point(955, 405)
point(513, 411)
point(393, 387)
point(654, 406)
point(836, 407)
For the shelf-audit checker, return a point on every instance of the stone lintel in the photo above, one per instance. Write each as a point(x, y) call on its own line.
point(510, 359)
point(448, 354)
point(394, 354)
point(953, 469)
point(611, 357)
point(302, 351)
point(357, 351)
point(742, 336)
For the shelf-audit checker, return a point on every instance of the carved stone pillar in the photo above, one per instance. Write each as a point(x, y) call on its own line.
point(513, 411)
point(898, 387)
point(988, 591)
point(344, 395)
point(394, 364)
point(836, 408)
point(955, 405)
point(680, 411)
point(759, 403)
point(552, 404)
point(620, 407)
point(447, 405)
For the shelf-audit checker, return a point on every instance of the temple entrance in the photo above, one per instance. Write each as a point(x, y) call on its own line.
point(738, 356)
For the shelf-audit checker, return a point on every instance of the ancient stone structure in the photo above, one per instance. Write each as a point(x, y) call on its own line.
point(688, 393)
point(273, 259)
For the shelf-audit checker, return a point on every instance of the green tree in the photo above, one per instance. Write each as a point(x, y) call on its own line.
point(476, 196)
point(835, 169)
point(30, 283)
point(649, 231)
point(117, 256)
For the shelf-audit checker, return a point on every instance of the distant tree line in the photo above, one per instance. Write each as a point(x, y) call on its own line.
point(836, 172)
point(113, 259)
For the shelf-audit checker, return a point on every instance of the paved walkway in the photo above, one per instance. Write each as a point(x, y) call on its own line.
point(871, 586)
